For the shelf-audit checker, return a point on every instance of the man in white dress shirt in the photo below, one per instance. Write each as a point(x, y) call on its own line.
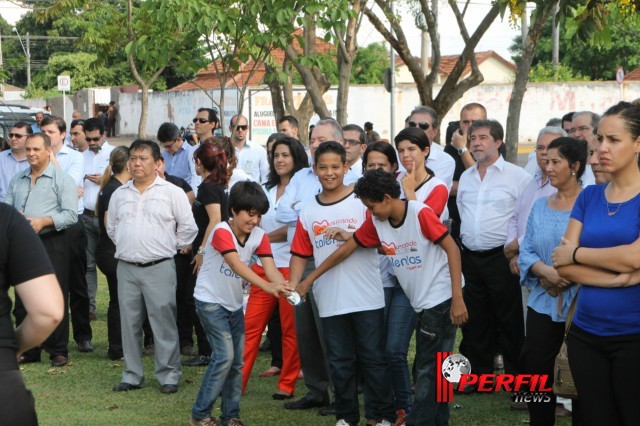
point(252, 158)
point(441, 163)
point(148, 220)
point(487, 195)
point(96, 160)
point(355, 143)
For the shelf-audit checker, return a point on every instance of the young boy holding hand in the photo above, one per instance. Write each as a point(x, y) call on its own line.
point(218, 298)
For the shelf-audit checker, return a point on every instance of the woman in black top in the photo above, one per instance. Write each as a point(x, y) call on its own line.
point(105, 249)
point(209, 209)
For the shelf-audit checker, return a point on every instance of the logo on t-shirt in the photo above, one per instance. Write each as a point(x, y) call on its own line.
point(401, 254)
point(320, 227)
point(227, 271)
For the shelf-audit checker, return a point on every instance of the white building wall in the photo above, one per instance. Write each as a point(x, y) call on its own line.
point(542, 101)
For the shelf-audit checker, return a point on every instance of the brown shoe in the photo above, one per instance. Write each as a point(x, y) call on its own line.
point(93, 316)
point(209, 421)
point(59, 360)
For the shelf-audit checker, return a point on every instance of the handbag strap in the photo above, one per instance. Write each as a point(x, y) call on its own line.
point(570, 312)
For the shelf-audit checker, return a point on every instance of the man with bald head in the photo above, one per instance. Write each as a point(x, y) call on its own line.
point(252, 158)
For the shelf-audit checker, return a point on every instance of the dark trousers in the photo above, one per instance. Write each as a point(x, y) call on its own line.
point(78, 290)
point(16, 401)
point(185, 324)
point(494, 302)
point(311, 347)
point(204, 348)
point(57, 247)
point(355, 343)
point(274, 333)
point(541, 345)
point(108, 264)
point(606, 372)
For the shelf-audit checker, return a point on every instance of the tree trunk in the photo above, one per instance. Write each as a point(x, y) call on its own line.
point(144, 112)
point(344, 75)
point(520, 84)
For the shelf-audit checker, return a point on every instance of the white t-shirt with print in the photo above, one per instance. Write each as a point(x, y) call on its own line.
point(217, 282)
point(355, 284)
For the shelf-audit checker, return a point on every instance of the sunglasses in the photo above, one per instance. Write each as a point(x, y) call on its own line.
point(16, 135)
point(201, 120)
point(423, 125)
point(96, 139)
point(242, 127)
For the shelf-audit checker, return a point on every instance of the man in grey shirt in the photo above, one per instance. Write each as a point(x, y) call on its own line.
point(48, 199)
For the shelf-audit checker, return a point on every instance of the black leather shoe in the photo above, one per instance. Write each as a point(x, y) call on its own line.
point(281, 396)
point(85, 346)
point(124, 387)
point(328, 411)
point(168, 388)
point(304, 404)
point(198, 361)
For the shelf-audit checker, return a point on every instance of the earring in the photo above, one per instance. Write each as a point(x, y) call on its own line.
point(573, 173)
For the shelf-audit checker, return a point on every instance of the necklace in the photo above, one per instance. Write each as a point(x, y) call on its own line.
point(613, 213)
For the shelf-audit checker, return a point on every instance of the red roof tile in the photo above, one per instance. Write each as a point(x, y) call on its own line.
point(207, 78)
point(633, 75)
point(448, 62)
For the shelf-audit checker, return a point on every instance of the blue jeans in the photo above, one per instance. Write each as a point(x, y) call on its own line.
point(434, 333)
point(225, 333)
point(354, 341)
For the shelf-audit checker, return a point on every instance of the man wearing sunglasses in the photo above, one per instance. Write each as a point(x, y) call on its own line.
point(442, 164)
point(252, 158)
point(96, 160)
point(206, 121)
point(14, 160)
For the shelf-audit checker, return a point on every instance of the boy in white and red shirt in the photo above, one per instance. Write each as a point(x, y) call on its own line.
point(427, 264)
point(350, 299)
point(218, 298)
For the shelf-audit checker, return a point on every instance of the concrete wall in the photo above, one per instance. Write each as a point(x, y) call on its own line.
point(542, 101)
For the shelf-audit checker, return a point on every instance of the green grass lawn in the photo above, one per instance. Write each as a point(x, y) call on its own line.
point(80, 393)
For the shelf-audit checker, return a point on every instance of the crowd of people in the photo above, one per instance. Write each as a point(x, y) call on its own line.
point(383, 240)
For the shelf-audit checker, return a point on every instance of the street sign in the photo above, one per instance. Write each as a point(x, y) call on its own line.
point(64, 83)
point(620, 75)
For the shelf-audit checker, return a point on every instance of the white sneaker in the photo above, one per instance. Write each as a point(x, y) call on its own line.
point(342, 422)
point(384, 423)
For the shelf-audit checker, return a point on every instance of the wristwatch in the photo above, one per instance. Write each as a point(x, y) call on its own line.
point(462, 150)
point(200, 251)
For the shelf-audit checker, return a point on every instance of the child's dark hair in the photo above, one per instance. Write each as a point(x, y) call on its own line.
point(330, 147)
point(247, 196)
point(383, 148)
point(375, 184)
point(572, 150)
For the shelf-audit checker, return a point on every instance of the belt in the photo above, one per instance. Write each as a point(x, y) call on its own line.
point(89, 212)
point(144, 265)
point(483, 253)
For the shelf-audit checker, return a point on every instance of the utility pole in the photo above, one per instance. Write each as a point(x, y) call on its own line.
point(555, 37)
point(28, 62)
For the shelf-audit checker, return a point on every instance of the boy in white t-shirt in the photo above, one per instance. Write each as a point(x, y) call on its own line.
point(427, 264)
point(350, 298)
point(218, 298)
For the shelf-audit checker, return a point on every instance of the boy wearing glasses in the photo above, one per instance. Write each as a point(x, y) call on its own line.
point(252, 158)
point(14, 160)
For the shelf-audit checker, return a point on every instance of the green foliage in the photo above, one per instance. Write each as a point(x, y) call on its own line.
point(370, 64)
point(544, 72)
point(584, 58)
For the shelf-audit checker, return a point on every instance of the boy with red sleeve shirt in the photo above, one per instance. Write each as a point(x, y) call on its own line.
point(350, 299)
point(218, 298)
point(427, 264)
